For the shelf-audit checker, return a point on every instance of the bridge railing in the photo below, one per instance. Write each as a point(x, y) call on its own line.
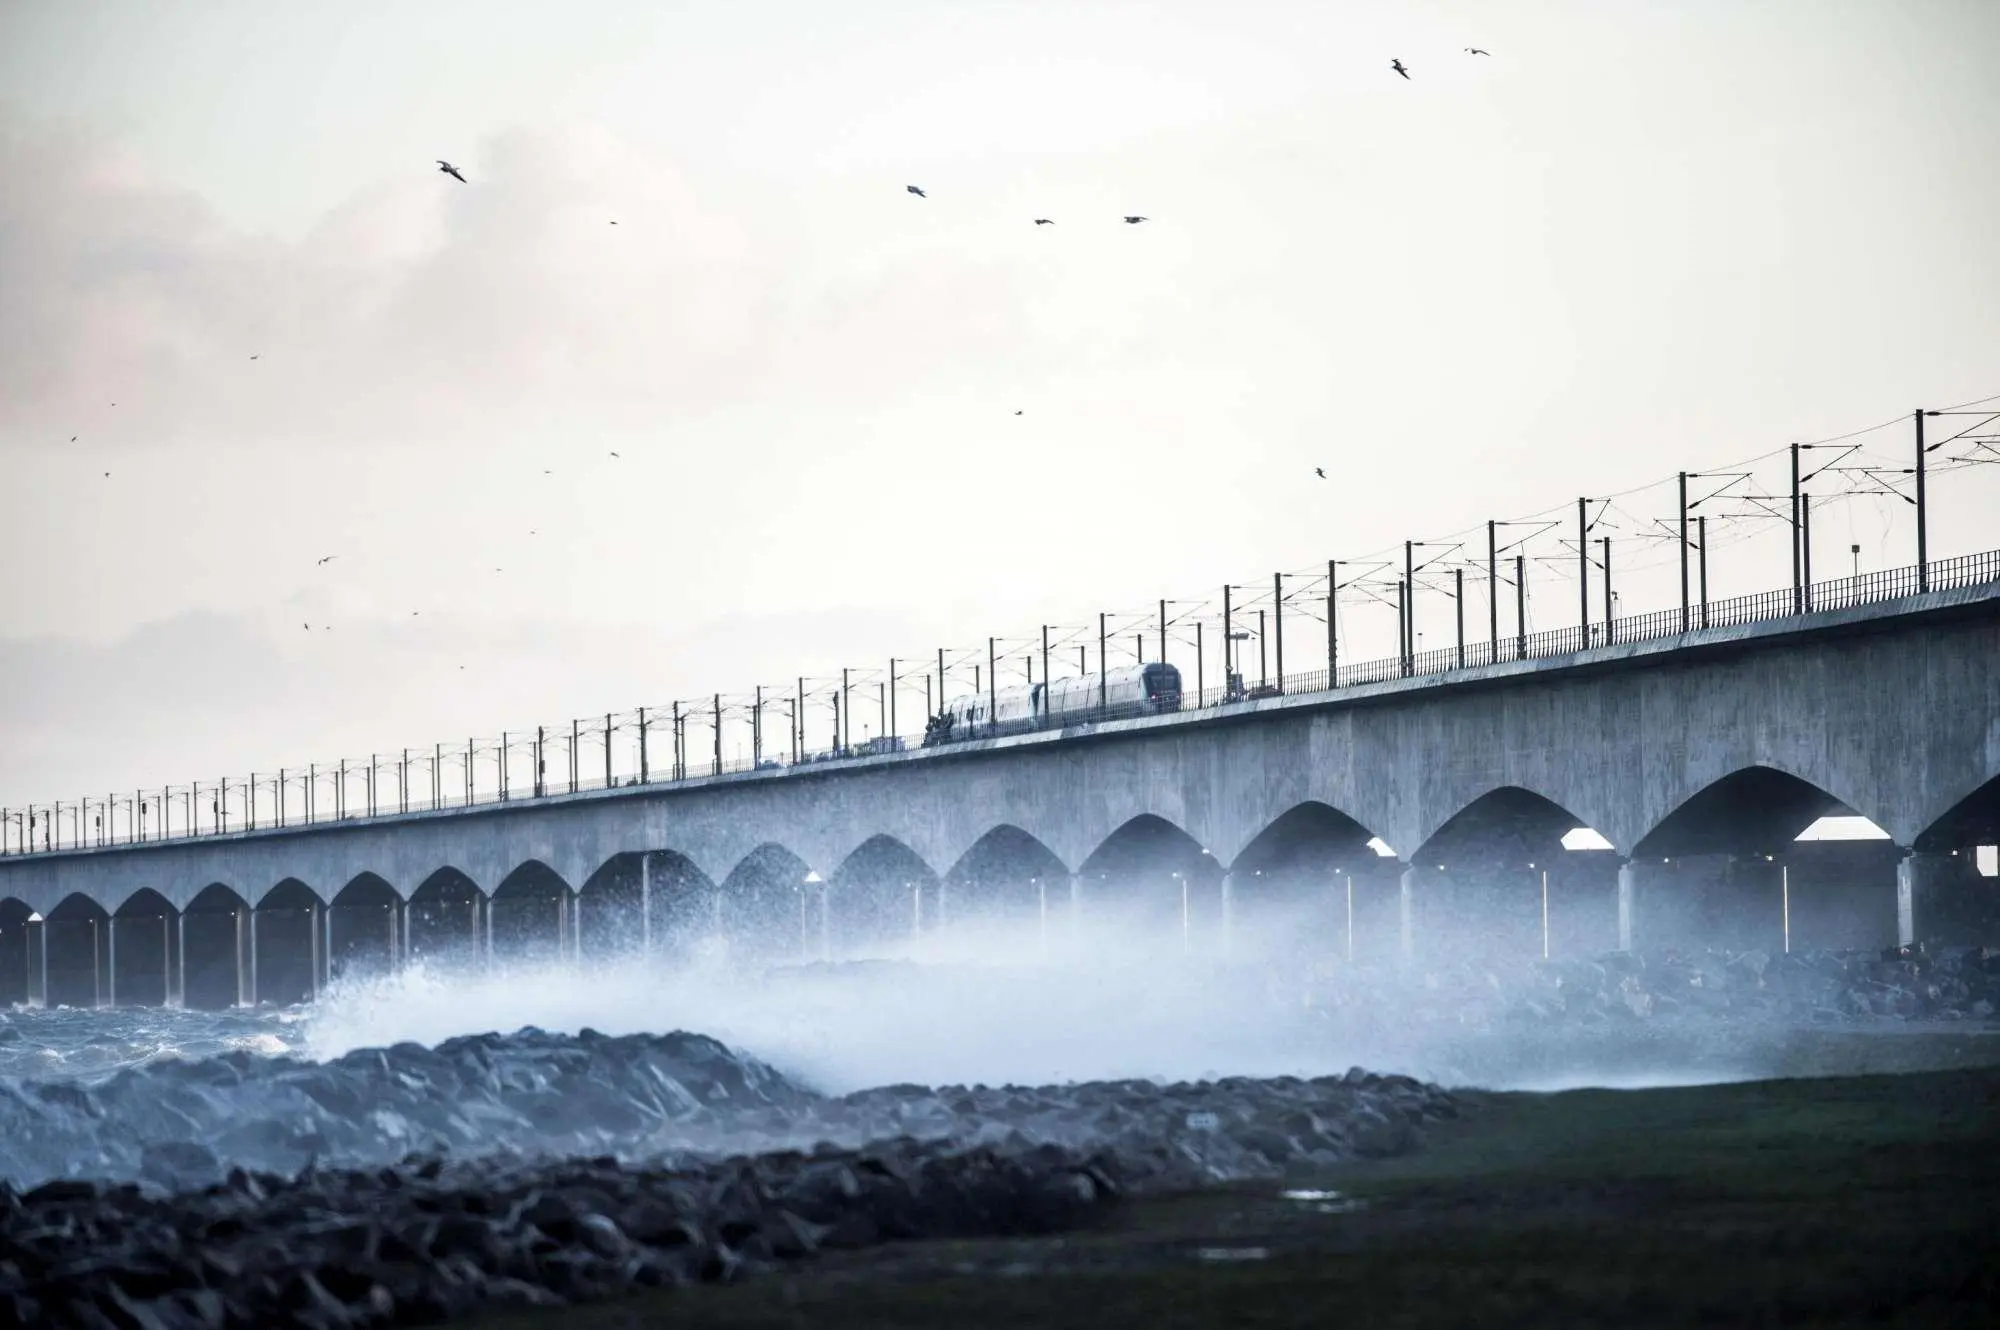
point(389, 789)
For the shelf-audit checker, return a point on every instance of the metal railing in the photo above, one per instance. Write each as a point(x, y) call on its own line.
point(388, 788)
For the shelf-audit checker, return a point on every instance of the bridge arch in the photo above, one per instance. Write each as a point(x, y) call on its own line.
point(773, 907)
point(1310, 883)
point(212, 941)
point(447, 918)
point(1946, 895)
point(1005, 893)
point(647, 898)
point(1727, 868)
point(1972, 820)
point(363, 926)
point(531, 911)
point(1512, 872)
point(286, 936)
point(1757, 809)
point(140, 957)
point(78, 959)
point(880, 898)
point(1151, 886)
point(686, 906)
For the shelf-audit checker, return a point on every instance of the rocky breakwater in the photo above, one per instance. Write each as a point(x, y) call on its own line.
point(1694, 988)
point(736, 1169)
point(183, 1123)
point(1817, 987)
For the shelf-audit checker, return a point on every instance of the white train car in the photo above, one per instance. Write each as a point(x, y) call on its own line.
point(1137, 690)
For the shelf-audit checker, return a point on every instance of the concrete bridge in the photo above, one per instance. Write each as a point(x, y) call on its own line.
point(1391, 821)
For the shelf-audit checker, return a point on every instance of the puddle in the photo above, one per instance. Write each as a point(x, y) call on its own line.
point(1233, 1253)
point(1324, 1202)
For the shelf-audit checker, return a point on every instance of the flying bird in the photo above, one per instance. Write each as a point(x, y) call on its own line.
point(1397, 65)
point(327, 560)
point(1134, 221)
point(72, 438)
point(1474, 50)
point(614, 221)
point(107, 475)
point(450, 170)
point(253, 357)
point(918, 192)
point(1045, 221)
point(308, 627)
point(614, 454)
point(1017, 413)
point(1320, 471)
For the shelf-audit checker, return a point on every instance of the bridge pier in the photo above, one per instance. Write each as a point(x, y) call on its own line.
point(826, 921)
point(17, 953)
point(1943, 900)
point(1228, 915)
point(646, 909)
point(1406, 913)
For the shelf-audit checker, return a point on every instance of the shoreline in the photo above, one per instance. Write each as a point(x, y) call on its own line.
point(1831, 1201)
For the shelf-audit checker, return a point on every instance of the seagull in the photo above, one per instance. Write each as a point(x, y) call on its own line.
point(1134, 221)
point(1045, 221)
point(450, 170)
point(918, 192)
point(1320, 471)
point(1474, 50)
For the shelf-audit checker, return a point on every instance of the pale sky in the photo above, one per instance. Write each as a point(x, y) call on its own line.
point(1638, 237)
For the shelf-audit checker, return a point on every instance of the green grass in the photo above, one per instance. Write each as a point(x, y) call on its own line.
point(1863, 1200)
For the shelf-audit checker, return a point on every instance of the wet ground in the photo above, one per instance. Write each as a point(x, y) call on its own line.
point(1858, 1199)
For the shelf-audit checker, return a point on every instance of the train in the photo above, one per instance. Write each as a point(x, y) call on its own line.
point(1137, 690)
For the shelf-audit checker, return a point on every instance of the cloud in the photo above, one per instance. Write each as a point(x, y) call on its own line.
point(422, 307)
